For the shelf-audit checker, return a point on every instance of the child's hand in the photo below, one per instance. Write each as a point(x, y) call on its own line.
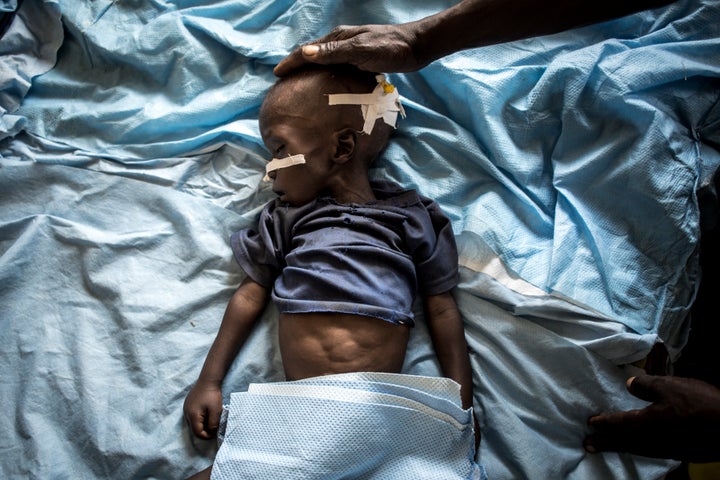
point(203, 407)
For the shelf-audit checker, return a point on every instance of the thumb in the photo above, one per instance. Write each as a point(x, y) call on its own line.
point(646, 387)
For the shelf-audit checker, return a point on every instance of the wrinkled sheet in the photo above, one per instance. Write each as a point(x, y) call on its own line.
point(570, 165)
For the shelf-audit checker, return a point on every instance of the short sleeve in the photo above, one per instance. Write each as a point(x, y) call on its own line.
point(258, 251)
point(434, 250)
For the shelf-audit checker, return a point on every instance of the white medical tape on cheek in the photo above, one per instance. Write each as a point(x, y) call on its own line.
point(383, 102)
point(278, 163)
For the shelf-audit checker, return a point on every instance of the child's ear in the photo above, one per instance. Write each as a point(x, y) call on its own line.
point(345, 141)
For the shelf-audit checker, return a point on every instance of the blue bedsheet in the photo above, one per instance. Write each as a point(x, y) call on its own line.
point(569, 164)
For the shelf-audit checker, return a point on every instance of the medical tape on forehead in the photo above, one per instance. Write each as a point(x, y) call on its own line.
point(383, 102)
point(278, 163)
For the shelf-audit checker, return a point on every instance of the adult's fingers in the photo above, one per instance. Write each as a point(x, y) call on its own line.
point(647, 387)
point(618, 423)
point(292, 62)
point(648, 444)
point(630, 431)
point(341, 45)
point(331, 52)
point(598, 442)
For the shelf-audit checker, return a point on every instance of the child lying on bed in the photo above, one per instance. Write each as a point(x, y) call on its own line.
point(342, 256)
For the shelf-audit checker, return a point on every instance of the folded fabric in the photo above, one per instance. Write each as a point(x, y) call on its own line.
point(354, 426)
point(8, 5)
point(31, 37)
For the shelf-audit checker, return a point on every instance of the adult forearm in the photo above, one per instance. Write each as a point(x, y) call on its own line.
point(477, 23)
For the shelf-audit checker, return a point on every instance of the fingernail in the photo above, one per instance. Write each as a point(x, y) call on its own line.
point(310, 50)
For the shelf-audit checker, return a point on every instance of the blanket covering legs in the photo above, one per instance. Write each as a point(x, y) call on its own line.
point(365, 425)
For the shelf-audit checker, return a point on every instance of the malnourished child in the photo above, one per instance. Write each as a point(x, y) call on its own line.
point(343, 259)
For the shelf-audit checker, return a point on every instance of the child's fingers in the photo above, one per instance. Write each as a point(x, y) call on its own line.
point(197, 422)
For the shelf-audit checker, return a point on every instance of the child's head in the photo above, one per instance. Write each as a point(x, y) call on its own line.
point(295, 118)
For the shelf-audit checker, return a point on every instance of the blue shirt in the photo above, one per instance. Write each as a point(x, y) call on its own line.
point(368, 259)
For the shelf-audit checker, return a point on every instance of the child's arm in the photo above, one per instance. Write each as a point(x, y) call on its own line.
point(203, 404)
point(448, 337)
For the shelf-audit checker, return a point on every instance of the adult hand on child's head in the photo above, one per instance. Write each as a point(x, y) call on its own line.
point(682, 422)
point(203, 406)
point(374, 48)
point(408, 47)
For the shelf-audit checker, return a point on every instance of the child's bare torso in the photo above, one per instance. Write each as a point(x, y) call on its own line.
point(314, 344)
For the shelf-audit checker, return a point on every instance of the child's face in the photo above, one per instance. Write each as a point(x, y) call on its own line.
point(291, 131)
